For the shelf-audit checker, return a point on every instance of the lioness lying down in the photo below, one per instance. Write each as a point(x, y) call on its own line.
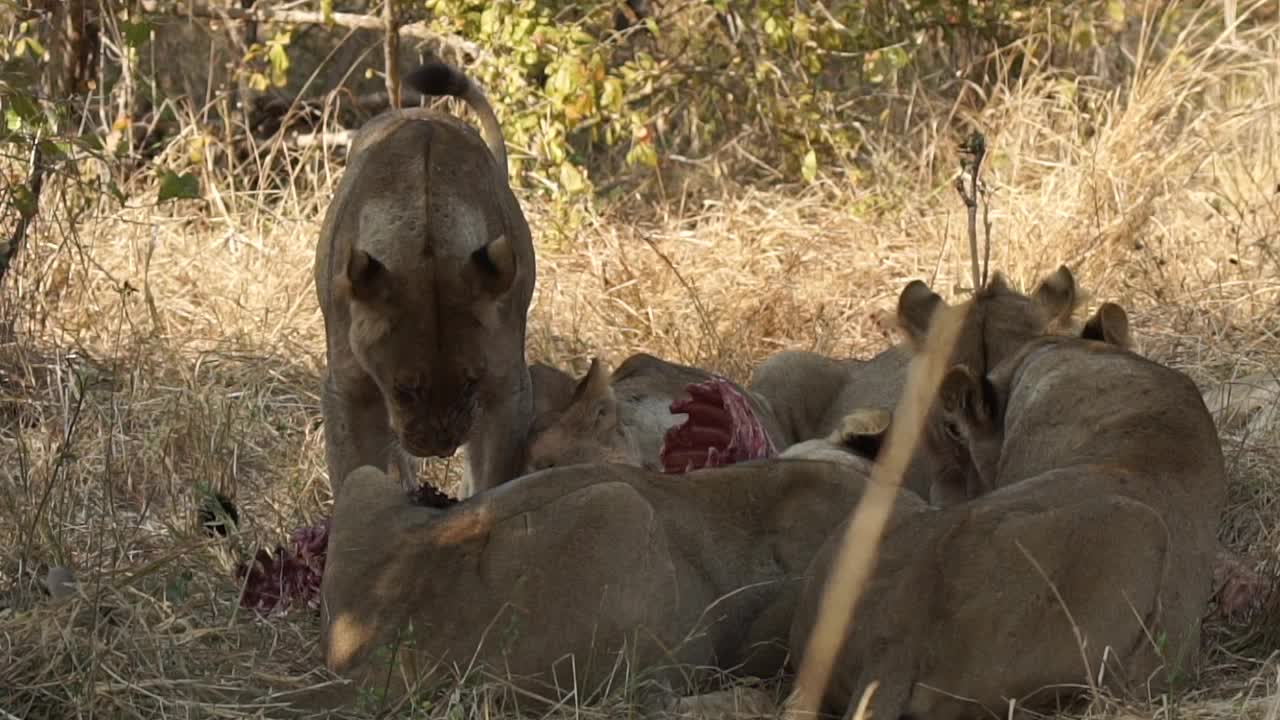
point(1106, 482)
point(424, 272)
point(624, 417)
point(546, 579)
point(810, 394)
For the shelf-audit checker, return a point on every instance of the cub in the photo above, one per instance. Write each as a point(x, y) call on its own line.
point(625, 416)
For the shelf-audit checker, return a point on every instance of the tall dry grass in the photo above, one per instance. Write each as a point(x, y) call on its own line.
point(160, 353)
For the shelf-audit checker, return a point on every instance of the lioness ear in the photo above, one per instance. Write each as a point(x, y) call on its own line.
point(365, 276)
point(495, 265)
point(1109, 324)
point(1057, 295)
point(594, 395)
point(916, 306)
point(552, 388)
point(962, 396)
point(594, 385)
point(863, 431)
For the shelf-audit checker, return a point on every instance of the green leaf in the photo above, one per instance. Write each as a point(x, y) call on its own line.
point(490, 20)
point(114, 191)
point(571, 179)
point(177, 187)
point(25, 108)
point(136, 34)
point(326, 12)
point(801, 28)
point(37, 50)
point(278, 56)
point(643, 153)
point(611, 95)
point(809, 166)
point(25, 202)
point(1115, 11)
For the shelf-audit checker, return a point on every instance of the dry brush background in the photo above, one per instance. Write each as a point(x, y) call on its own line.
point(152, 353)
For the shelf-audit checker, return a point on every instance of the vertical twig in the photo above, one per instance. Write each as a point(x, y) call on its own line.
point(855, 560)
point(976, 149)
point(986, 236)
point(391, 50)
point(35, 183)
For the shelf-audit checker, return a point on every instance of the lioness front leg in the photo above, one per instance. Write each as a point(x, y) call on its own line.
point(356, 433)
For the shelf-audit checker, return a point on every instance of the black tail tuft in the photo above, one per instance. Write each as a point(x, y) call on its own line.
point(437, 78)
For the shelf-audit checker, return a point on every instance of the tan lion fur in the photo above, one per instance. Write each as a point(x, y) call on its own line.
point(810, 394)
point(623, 417)
point(424, 272)
point(1100, 481)
point(548, 577)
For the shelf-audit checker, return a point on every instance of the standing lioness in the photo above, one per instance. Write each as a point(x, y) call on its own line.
point(424, 273)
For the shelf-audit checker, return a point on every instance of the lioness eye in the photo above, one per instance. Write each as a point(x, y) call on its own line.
point(404, 394)
point(952, 430)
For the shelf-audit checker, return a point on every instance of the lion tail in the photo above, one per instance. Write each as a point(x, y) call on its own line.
point(437, 78)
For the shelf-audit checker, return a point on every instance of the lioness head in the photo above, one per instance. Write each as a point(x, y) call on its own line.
point(434, 264)
point(998, 321)
point(967, 432)
point(586, 431)
point(431, 389)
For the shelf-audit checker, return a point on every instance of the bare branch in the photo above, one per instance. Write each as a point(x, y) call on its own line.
point(391, 51)
point(339, 138)
point(986, 236)
point(976, 148)
point(417, 30)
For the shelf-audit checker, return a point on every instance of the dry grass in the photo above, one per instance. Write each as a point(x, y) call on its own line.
point(158, 353)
